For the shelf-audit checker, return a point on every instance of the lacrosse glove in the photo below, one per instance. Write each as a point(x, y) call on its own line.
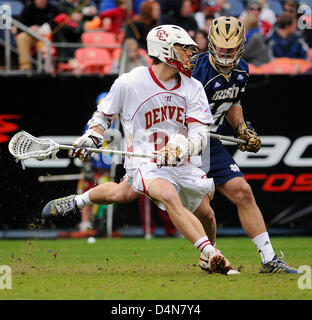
point(90, 139)
point(173, 152)
point(245, 131)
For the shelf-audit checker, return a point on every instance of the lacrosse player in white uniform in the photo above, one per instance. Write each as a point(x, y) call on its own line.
point(163, 110)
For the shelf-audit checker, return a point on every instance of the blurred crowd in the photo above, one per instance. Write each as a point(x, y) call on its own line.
point(274, 29)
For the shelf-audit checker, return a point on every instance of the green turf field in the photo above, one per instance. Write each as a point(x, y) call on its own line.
point(126, 269)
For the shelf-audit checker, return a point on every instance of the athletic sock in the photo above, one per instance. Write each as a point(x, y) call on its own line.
point(83, 200)
point(204, 245)
point(264, 246)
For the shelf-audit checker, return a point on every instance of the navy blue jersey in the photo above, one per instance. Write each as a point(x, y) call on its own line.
point(221, 93)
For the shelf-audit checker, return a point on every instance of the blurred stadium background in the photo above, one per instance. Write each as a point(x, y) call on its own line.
point(58, 93)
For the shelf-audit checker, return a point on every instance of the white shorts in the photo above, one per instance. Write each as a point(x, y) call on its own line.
point(190, 182)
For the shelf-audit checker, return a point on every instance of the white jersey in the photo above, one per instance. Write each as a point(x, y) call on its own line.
point(149, 113)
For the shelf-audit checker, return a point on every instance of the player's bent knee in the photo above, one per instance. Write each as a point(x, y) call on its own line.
point(242, 193)
point(169, 198)
point(205, 214)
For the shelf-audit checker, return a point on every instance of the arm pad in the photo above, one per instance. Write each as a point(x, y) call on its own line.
point(99, 119)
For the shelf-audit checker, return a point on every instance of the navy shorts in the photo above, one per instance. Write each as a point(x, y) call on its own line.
point(221, 166)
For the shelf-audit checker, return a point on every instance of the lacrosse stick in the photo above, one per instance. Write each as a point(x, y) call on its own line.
point(225, 138)
point(61, 177)
point(25, 146)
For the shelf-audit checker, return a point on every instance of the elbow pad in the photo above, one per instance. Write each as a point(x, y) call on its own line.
point(99, 120)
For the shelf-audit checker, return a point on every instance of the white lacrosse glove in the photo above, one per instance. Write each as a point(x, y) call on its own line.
point(90, 139)
point(173, 152)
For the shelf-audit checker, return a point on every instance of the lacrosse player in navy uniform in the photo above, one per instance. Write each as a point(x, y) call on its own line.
point(224, 77)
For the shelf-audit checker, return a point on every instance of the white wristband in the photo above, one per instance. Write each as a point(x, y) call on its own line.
point(98, 119)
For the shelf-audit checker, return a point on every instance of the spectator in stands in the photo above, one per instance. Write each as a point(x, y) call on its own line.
point(180, 14)
point(134, 57)
point(212, 8)
point(201, 38)
point(266, 14)
point(256, 50)
point(254, 7)
point(37, 16)
point(285, 41)
point(117, 16)
point(141, 24)
point(71, 22)
point(208, 21)
point(291, 7)
point(305, 24)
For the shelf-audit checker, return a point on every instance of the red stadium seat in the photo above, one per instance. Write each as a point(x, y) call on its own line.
point(93, 60)
point(273, 68)
point(310, 54)
point(116, 53)
point(255, 69)
point(286, 66)
point(100, 38)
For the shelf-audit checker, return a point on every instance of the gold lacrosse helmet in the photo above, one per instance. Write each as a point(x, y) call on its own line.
point(226, 43)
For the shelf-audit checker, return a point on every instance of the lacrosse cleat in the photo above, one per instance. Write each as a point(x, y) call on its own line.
point(217, 263)
point(204, 263)
point(60, 207)
point(278, 265)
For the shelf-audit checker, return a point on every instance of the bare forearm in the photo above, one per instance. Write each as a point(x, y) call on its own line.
point(235, 116)
point(98, 130)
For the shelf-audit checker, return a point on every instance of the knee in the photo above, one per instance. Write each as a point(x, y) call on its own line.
point(22, 37)
point(169, 198)
point(242, 194)
point(206, 214)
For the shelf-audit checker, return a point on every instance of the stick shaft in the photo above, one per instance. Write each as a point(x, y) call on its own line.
point(112, 152)
point(61, 177)
point(225, 138)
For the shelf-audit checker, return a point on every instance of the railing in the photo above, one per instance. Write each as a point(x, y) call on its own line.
point(42, 65)
point(47, 67)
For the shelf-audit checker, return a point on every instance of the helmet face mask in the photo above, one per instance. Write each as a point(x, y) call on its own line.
point(226, 43)
point(173, 46)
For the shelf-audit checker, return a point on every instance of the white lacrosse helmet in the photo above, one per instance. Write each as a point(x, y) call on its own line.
point(161, 42)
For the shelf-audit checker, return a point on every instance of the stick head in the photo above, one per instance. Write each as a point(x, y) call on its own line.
point(25, 146)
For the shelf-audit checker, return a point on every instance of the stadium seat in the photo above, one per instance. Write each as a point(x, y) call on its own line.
point(93, 60)
point(16, 7)
point(310, 54)
point(120, 37)
point(279, 69)
point(276, 6)
point(255, 69)
point(98, 37)
point(286, 66)
point(236, 7)
point(116, 53)
point(307, 2)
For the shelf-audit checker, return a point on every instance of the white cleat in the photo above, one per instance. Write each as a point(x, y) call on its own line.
point(217, 263)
